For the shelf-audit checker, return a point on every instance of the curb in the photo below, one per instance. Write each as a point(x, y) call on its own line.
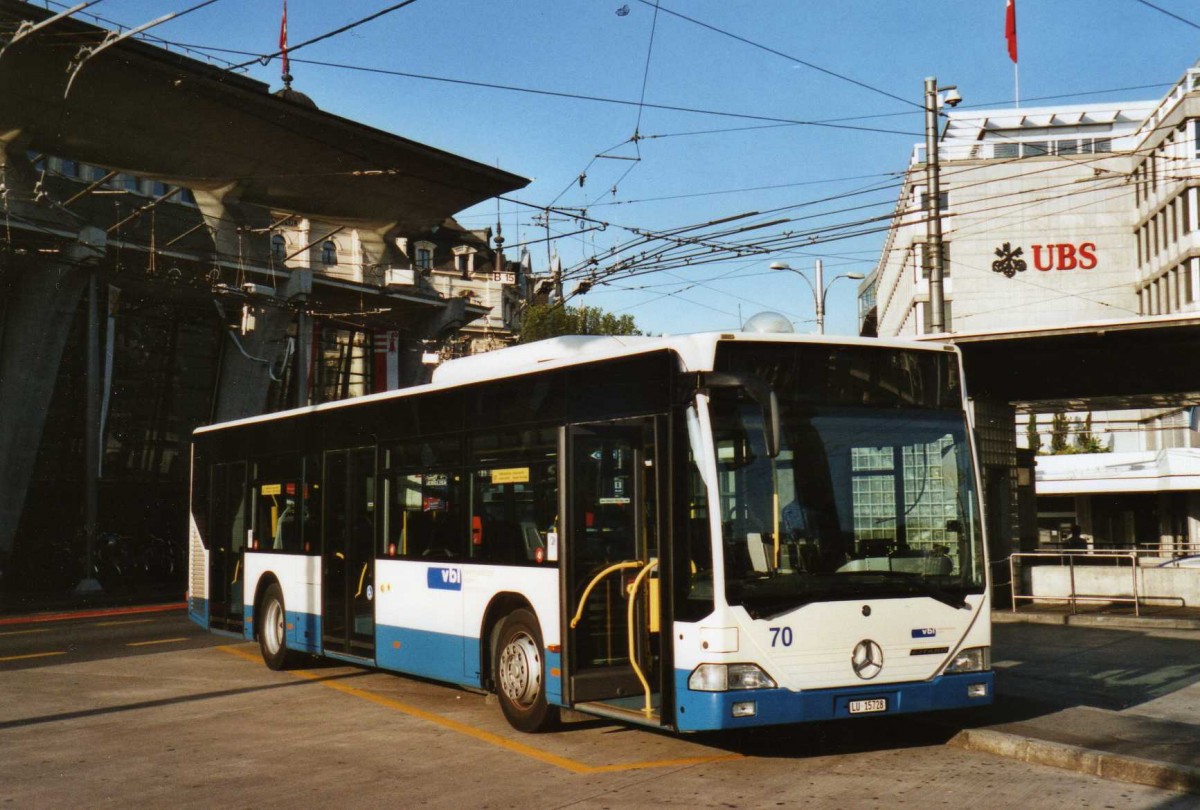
point(1140, 622)
point(1115, 767)
point(38, 618)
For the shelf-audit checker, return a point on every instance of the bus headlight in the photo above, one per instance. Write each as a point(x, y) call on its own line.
point(972, 659)
point(728, 678)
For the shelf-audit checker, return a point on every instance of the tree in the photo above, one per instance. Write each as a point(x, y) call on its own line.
point(541, 321)
point(1085, 440)
point(1032, 437)
point(1060, 433)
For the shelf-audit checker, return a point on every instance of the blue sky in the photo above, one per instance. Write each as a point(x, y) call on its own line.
point(1075, 51)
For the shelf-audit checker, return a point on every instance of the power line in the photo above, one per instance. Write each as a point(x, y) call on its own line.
point(343, 29)
point(1169, 14)
point(789, 57)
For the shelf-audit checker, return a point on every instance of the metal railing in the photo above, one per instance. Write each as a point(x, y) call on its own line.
point(1068, 559)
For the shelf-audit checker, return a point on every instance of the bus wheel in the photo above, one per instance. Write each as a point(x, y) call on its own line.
point(519, 670)
point(272, 632)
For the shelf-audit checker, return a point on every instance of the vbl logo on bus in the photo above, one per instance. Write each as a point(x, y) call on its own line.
point(445, 579)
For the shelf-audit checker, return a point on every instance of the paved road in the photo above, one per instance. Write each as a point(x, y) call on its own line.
point(148, 710)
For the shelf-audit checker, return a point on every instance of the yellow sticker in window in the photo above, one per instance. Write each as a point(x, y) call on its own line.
point(272, 489)
point(511, 475)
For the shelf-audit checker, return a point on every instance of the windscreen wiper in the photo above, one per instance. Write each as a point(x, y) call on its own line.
point(934, 591)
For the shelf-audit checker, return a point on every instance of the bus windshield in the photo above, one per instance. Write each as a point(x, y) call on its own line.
point(872, 494)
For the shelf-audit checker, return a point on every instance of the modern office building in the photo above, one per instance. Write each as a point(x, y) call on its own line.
point(1081, 215)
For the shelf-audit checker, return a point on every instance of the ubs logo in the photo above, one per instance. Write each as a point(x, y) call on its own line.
point(1045, 257)
point(867, 659)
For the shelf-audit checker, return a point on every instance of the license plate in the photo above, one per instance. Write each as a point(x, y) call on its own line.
point(867, 706)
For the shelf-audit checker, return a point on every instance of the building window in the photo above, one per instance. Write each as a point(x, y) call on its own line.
point(329, 253)
point(1005, 150)
point(462, 263)
point(278, 247)
point(1035, 149)
point(423, 255)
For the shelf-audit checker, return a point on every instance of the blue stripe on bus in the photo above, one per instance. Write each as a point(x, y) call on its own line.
point(303, 631)
point(703, 711)
point(554, 682)
point(441, 656)
point(248, 623)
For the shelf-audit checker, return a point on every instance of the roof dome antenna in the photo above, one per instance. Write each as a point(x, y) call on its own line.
point(768, 323)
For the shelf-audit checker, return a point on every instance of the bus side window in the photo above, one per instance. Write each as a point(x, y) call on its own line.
point(425, 516)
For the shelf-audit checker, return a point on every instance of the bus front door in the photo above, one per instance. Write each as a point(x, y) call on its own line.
point(229, 522)
point(612, 521)
point(348, 554)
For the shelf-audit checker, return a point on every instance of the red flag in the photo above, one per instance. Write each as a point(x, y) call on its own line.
point(283, 39)
point(1010, 28)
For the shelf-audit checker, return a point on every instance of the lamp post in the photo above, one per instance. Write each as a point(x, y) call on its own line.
point(933, 196)
point(820, 289)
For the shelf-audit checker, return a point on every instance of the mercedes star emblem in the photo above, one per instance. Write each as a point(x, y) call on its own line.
point(867, 659)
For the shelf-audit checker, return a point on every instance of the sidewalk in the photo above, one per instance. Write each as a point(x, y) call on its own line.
point(1100, 692)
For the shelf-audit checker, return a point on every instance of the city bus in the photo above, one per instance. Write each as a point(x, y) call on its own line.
point(697, 532)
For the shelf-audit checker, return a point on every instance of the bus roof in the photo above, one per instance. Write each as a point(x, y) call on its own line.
point(694, 350)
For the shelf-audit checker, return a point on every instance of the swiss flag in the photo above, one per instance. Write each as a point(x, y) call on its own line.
point(1010, 28)
point(283, 38)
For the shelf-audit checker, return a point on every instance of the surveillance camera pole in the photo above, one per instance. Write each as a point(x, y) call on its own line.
point(933, 214)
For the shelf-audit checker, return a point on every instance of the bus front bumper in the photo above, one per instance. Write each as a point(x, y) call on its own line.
point(705, 711)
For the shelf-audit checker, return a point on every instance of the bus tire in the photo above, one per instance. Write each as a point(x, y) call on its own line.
point(519, 671)
point(272, 631)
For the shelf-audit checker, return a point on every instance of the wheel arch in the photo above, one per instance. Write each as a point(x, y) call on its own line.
point(260, 590)
point(501, 605)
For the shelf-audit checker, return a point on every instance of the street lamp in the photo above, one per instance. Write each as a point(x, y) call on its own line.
point(933, 191)
point(820, 289)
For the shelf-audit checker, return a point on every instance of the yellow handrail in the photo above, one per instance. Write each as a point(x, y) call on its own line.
point(649, 710)
point(595, 580)
point(361, 577)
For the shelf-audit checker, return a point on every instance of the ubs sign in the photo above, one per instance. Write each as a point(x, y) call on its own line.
point(1009, 260)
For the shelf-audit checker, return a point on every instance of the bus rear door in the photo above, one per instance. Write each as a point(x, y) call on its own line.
point(348, 558)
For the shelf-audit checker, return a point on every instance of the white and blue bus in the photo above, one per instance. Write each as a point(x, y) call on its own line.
point(699, 532)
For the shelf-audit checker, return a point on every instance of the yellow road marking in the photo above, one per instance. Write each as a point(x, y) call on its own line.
point(126, 621)
point(156, 641)
point(22, 632)
point(32, 655)
point(572, 765)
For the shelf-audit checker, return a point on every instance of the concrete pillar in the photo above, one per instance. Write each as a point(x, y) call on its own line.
point(39, 296)
point(250, 361)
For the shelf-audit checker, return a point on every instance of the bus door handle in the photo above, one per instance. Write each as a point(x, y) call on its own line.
point(361, 578)
point(595, 581)
point(637, 670)
point(236, 570)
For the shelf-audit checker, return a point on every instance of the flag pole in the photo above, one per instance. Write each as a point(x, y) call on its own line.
point(1010, 37)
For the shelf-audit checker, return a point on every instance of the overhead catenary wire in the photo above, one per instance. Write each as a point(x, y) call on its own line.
point(327, 35)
